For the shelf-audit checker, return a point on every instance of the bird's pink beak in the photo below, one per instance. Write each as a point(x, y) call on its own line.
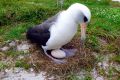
point(83, 31)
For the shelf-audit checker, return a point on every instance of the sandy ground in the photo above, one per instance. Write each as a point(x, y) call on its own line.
point(21, 74)
point(116, 0)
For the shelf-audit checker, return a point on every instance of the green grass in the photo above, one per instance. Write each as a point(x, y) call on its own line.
point(17, 32)
point(16, 16)
point(15, 11)
point(2, 65)
point(22, 64)
point(88, 78)
point(72, 77)
point(116, 58)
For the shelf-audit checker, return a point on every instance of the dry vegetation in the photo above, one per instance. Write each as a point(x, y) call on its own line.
point(103, 39)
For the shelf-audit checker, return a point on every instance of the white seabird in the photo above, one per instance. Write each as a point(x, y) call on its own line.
point(60, 29)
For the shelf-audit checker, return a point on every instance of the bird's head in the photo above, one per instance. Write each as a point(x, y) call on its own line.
point(82, 15)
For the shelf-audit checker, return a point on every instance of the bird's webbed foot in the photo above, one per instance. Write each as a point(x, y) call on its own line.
point(55, 60)
point(69, 52)
point(58, 56)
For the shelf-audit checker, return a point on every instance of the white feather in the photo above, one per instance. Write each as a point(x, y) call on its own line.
point(62, 31)
point(66, 26)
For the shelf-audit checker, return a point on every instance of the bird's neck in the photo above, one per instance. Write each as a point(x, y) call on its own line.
point(76, 15)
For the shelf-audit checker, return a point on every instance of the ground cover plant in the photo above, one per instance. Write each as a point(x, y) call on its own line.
point(102, 45)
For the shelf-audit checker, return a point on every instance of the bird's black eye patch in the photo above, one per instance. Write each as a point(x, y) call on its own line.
point(85, 19)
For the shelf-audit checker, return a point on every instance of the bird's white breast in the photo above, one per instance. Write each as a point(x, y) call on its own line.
point(61, 32)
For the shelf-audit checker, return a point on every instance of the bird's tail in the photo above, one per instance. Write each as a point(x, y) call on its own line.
point(33, 36)
point(38, 37)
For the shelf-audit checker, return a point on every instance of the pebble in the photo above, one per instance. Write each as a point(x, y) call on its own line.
point(100, 78)
point(21, 74)
point(31, 69)
point(100, 64)
point(23, 47)
point(103, 64)
point(12, 44)
point(6, 70)
point(17, 70)
point(20, 57)
point(5, 48)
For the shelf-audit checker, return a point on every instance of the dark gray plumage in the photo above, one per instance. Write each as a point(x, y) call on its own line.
point(40, 34)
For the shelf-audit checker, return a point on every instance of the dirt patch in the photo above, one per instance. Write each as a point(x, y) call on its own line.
point(36, 59)
point(21, 74)
point(83, 59)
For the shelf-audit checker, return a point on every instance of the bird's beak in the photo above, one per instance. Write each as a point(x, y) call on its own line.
point(83, 32)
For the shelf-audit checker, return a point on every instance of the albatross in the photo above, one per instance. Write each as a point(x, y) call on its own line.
point(59, 30)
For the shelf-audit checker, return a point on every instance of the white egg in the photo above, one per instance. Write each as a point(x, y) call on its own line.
point(58, 54)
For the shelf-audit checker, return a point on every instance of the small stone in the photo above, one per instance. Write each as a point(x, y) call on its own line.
point(6, 70)
point(5, 48)
point(100, 64)
point(105, 65)
point(23, 47)
point(31, 69)
point(11, 44)
point(17, 70)
point(100, 78)
point(26, 51)
point(21, 57)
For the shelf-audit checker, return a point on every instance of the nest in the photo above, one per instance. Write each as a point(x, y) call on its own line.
point(83, 59)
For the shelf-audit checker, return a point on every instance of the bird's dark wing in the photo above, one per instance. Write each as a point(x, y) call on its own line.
point(40, 33)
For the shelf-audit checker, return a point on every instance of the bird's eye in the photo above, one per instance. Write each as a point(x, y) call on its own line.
point(85, 19)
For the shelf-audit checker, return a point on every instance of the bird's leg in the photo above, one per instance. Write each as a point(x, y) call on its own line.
point(58, 61)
